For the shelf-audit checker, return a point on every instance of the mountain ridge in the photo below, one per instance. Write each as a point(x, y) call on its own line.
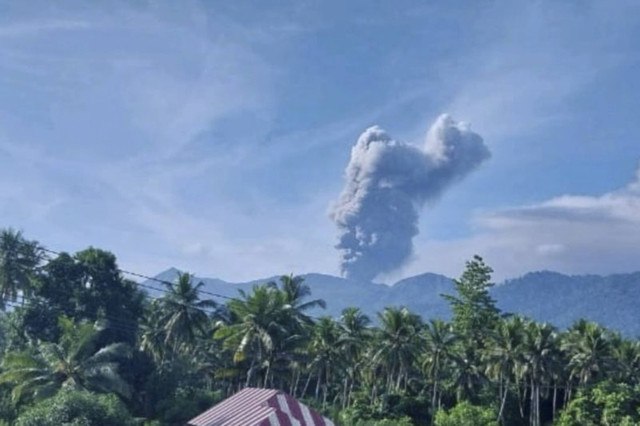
point(547, 296)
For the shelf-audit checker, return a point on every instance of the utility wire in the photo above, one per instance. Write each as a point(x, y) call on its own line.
point(151, 287)
point(161, 281)
point(149, 278)
point(112, 322)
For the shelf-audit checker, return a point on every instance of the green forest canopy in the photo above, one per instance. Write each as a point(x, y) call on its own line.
point(74, 330)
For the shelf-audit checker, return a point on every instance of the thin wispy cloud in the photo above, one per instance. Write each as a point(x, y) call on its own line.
point(41, 27)
point(568, 233)
point(215, 137)
point(539, 58)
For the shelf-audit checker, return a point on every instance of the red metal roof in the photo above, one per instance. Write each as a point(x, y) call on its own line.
point(260, 407)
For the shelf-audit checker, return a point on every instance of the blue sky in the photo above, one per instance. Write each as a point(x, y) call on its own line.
point(213, 136)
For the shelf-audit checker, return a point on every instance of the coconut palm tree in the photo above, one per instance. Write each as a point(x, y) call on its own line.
point(626, 355)
point(260, 320)
point(152, 333)
point(540, 359)
point(287, 356)
point(588, 349)
point(184, 314)
point(76, 361)
point(326, 356)
point(354, 336)
point(397, 344)
point(504, 356)
point(18, 261)
point(295, 292)
point(466, 372)
point(439, 340)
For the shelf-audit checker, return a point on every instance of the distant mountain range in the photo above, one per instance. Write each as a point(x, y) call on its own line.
point(612, 300)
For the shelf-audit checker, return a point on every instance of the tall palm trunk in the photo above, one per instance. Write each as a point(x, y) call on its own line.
point(538, 421)
point(318, 383)
point(505, 391)
point(325, 386)
point(555, 395)
point(434, 399)
point(306, 385)
point(324, 395)
point(532, 408)
point(534, 415)
point(567, 394)
point(345, 387)
point(250, 372)
point(295, 383)
point(349, 397)
point(265, 379)
point(521, 397)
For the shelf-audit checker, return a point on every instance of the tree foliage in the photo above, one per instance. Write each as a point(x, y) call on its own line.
point(77, 408)
point(83, 332)
point(18, 261)
point(607, 403)
point(465, 414)
point(77, 361)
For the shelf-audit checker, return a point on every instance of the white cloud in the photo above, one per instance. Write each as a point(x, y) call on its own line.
point(117, 108)
point(225, 242)
point(569, 233)
point(114, 97)
point(539, 57)
point(550, 249)
point(37, 28)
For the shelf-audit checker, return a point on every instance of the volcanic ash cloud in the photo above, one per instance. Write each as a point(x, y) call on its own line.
point(387, 183)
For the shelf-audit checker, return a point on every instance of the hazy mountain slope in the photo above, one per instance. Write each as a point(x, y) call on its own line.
point(422, 293)
point(340, 293)
point(561, 299)
point(545, 296)
point(212, 285)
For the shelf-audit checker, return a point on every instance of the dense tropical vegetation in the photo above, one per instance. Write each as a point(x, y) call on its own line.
point(82, 344)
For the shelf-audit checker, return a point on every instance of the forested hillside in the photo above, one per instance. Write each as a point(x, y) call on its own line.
point(83, 344)
point(544, 296)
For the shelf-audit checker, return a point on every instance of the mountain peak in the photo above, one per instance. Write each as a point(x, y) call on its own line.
point(423, 279)
point(169, 274)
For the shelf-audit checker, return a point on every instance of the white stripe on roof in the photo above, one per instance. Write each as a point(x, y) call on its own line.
point(273, 419)
point(248, 399)
point(306, 415)
point(258, 407)
point(284, 406)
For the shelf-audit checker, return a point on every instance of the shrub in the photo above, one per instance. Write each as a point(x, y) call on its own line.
point(465, 414)
point(77, 408)
point(184, 404)
point(605, 404)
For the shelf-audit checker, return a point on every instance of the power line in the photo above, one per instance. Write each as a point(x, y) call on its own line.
point(150, 287)
point(150, 278)
point(23, 298)
point(166, 283)
point(112, 322)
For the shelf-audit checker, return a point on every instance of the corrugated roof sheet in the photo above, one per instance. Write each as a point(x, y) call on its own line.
point(260, 407)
